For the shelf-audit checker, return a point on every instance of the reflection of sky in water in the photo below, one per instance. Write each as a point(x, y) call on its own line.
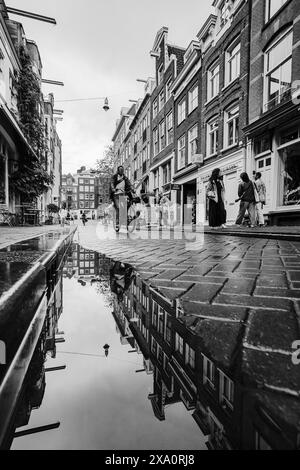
point(102, 403)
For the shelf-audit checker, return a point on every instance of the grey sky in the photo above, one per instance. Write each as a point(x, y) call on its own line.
point(99, 48)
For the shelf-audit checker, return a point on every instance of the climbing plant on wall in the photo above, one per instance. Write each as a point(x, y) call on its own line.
point(31, 179)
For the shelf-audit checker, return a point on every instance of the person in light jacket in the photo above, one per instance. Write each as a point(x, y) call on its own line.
point(261, 190)
point(215, 193)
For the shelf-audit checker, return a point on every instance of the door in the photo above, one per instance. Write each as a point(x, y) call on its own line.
point(231, 194)
point(264, 166)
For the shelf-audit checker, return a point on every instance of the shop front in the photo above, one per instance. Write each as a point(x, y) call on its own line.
point(187, 195)
point(231, 168)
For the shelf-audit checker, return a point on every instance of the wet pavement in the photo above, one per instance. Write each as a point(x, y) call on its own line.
point(200, 348)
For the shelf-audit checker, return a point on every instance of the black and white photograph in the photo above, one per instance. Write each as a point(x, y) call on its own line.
point(150, 228)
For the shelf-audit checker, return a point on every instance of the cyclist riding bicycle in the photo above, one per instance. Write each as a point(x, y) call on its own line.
point(121, 194)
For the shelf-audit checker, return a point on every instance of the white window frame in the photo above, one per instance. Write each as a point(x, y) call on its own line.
point(193, 98)
point(227, 121)
point(270, 15)
point(226, 396)
point(161, 100)
point(210, 131)
point(190, 356)
point(232, 63)
point(181, 144)
point(192, 140)
point(155, 142)
point(210, 378)
point(168, 90)
point(268, 71)
point(181, 111)
point(213, 81)
point(162, 140)
point(169, 129)
point(155, 108)
point(179, 344)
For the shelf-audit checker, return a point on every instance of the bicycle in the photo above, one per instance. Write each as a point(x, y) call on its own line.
point(125, 202)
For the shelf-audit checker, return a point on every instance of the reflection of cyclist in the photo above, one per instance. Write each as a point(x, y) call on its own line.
point(121, 275)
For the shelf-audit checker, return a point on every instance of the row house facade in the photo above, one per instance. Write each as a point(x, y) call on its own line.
point(224, 40)
point(168, 63)
point(14, 145)
point(273, 131)
point(122, 140)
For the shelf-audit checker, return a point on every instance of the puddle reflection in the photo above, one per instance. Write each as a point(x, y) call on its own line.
point(137, 372)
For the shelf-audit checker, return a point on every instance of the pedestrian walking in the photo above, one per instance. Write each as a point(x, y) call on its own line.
point(248, 198)
point(121, 194)
point(215, 192)
point(84, 219)
point(63, 215)
point(262, 192)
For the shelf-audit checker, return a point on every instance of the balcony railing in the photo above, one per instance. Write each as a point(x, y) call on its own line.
point(279, 98)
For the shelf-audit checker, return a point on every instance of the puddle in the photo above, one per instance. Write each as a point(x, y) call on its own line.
point(166, 381)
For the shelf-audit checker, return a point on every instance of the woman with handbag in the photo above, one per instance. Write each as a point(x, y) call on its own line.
point(215, 193)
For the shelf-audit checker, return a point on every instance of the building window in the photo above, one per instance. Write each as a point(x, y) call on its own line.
point(193, 141)
point(181, 111)
point(155, 179)
point(162, 136)
point(226, 391)
point(155, 141)
point(190, 356)
point(179, 344)
point(261, 144)
point(213, 81)
point(160, 74)
point(291, 176)
point(231, 130)
point(161, 99)
point(81, 181)
point(233, 61)
point(209, 372)
point(193, 99)
point(212, 137)
point(155, 109)
point(168, 89)
point(272, 6)
point(169, 123)
point(181, 152)
point(278, 71)
point(167, 173)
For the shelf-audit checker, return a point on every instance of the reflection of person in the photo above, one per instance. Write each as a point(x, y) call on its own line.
point(247, 196)
point(215, 193)
point(84, 219)
point(261, 191)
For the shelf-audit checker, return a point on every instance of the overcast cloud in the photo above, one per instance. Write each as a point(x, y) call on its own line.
point(99, 48)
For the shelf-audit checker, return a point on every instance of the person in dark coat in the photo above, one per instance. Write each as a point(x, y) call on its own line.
point(120, 187)
point(247, 195)
point(215, 192)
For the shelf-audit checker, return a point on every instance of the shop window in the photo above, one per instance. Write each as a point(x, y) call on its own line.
point(261, 443)
point(289, 135)
point(291, 177)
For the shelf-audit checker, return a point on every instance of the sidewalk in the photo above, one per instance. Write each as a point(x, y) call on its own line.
point(11, 235)
point(272, 232)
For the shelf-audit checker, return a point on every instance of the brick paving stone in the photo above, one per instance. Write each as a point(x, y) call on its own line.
point(202, 292)
point(273, 329)
point(276, 280)
point(239, 286)
point(202, 280)
point(277, 292)
point(253, 302)
point(170, 274)
point(228, 312)
point(200, 270)
point(294, 275)
point(182, 285)
point(171, 294)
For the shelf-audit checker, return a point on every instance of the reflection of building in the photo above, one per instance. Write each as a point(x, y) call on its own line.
point(199, 359)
